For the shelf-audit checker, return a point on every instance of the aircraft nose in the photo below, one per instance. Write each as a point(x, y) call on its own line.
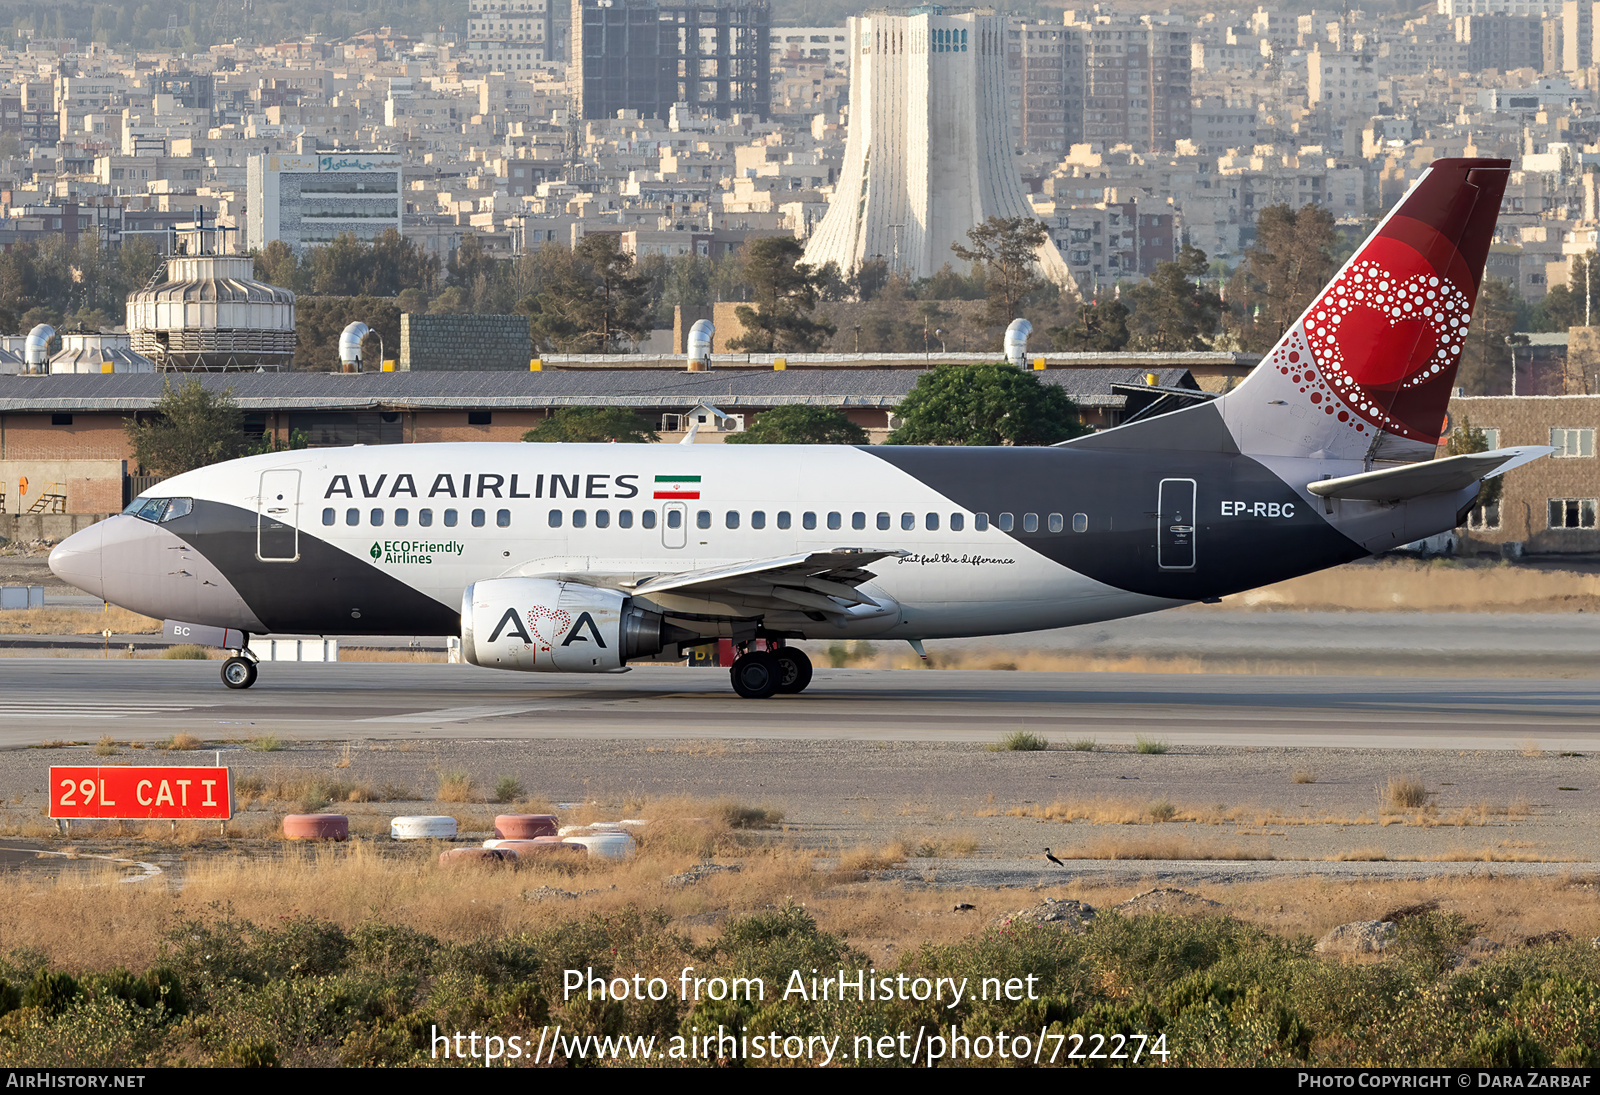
point(76, 560)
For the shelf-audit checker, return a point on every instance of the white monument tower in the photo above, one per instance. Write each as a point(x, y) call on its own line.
point(929, 151)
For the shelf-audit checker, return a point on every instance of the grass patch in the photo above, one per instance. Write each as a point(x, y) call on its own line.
point(1403, 793)
point(738, 816)
point(264, 743)
point(1020, 741)
point(507, 789)
point(1154, 746)
point(1161, 810)
point(1304, 775)
point(1083, 745)
point(186, 652)
point(55, 743)
point(56, 620)
point(105, 747)
point(180, 742)
point(456, 786)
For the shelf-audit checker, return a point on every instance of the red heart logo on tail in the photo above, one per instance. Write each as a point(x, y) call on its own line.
point(1382, 352)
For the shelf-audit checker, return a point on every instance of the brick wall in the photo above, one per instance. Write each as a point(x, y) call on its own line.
point(91, 486)
point(1524, 504)
point(460, 343)
point(434, 426)
point(87, 437)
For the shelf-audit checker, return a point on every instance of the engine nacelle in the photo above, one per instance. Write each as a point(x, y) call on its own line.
point(542, 626)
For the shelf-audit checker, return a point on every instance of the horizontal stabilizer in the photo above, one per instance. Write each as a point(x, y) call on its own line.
point(1445, 476)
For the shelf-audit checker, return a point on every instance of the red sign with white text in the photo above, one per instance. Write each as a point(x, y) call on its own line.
point(141, 794)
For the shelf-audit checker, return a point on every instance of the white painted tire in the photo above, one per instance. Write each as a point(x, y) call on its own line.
point(608, 845)
point(423, 828)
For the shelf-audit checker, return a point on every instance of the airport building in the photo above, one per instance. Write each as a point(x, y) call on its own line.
point(313, 197)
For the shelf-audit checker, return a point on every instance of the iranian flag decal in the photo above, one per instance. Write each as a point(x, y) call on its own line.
point(678, 486)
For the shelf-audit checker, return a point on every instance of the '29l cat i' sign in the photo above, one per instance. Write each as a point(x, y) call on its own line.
point(141, 794)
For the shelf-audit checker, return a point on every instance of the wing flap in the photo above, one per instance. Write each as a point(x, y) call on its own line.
point(1444, 476)
point(820, 581)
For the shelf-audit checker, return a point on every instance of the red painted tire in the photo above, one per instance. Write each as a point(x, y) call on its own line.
point(477, 857)
point(316, 827)
point(524, 826)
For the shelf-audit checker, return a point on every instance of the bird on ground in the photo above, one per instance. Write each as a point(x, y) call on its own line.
point(1053, 859)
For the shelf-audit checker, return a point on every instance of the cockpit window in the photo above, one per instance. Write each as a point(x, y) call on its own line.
point(160, 510)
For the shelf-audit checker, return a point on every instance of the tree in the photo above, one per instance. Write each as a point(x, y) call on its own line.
point(797, 424)
point(1172, 314)
point(985, 405)
point(597, 304)
point(1007, 249)
point(1101, 327)
point(592, 424)
point(1485, 358)
point(785, 290)
point(1292, 259)
point(277, 264)
point(1465, 439)
point(193, 426)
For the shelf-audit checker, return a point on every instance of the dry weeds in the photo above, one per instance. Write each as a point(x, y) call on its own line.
point(75, 621)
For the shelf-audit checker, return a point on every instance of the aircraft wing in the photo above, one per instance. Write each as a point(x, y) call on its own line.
point(821, 581)
point(1444, 476)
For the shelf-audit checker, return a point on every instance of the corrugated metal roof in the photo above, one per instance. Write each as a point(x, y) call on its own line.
point(644, 388)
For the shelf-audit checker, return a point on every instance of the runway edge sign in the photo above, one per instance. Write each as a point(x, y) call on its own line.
point(117, 793)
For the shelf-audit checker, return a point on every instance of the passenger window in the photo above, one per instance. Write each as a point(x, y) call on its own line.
point(648, 519)
point(376, 517)
point(602, 518)
point(808, 520)
point(732, 519)
point(555, 518)
point(783, 518)
point(1080, 522)
point(758, 519)
point(674, 518)
point(425, 518)
point(580, 518)
point(328, 516)
point(702, 519)
point(883, 522)
point(957, 522)
point(624, 518)
point(1005, 522)
point(908, 521)
point(352, 517)
point(858, 521)
point(449, 518)
point(402, 518)
point(1056, 523)
point(835, 521)
point(1030, 522)
point(931, 522)
point(503, 518)
point(980, 522)
point(477, 518)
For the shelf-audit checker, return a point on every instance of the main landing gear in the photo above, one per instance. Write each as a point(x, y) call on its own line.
point(759, 674)
point(239, 671)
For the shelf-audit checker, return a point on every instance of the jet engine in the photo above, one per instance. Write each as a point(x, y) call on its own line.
point(539, 625)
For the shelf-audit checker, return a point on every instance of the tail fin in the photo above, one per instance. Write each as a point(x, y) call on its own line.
point(1374, 358)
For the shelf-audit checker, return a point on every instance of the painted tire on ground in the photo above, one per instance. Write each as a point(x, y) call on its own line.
point(478, 857)
point(524, 826)
point(610, 845)
point(525, 849)
point(423, 828)
point(316, 827)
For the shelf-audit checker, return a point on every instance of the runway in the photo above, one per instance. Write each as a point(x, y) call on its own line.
point(48, 699)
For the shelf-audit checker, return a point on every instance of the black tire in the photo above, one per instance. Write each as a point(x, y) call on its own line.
point(794, 670)
point(238, 672)
point(756, 676)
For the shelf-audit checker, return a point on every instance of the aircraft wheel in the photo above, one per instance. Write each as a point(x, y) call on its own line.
point(238, 672)
point(794, 670)
point(756, 676)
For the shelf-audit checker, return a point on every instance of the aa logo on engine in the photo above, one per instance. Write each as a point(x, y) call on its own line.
point(555, 620)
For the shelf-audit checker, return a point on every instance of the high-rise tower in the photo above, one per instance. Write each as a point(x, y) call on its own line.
point(929, 151)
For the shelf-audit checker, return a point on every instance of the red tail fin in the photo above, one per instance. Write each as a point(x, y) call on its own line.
point(1378, 349)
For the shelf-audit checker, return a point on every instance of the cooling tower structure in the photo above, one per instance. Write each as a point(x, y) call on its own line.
point(929, 149)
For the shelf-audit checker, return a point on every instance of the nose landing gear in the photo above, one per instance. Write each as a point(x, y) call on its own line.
point(758, 674)
point(239, 671)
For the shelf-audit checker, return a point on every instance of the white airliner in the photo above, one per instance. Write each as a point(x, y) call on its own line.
point(580, 558)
